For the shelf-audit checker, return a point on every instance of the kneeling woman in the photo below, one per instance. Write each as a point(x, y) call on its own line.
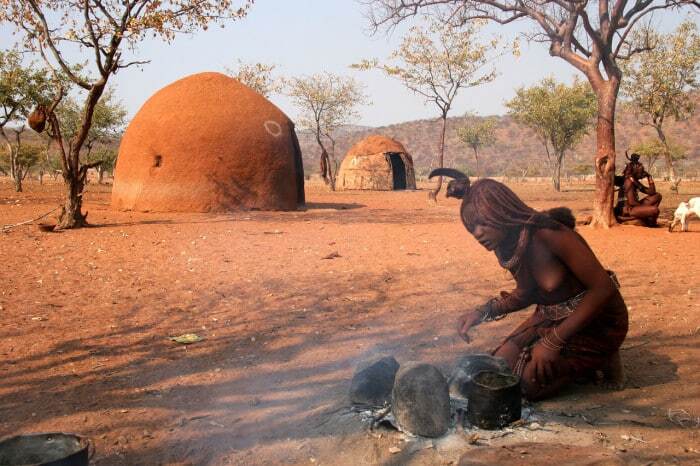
point(580, 320)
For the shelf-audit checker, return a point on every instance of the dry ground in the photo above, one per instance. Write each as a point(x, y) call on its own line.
point(85, 318)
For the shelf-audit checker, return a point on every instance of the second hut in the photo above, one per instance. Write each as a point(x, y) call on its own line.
point(377, 163)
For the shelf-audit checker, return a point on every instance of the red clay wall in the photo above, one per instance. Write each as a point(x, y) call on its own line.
point(208, 143)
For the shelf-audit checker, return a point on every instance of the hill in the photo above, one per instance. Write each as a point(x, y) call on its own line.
point(517, 150)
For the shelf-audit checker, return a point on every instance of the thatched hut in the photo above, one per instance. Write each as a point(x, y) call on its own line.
point(208, 143)
point(377, 163)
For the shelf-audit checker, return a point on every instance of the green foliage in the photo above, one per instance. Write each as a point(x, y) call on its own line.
point(658, 82)
point(559, 114)
point(437, 61)
point(652, 149)
point(29, 155)
point(21, 87)
point(108, 119)
point(582, 169)
point(106, 156)
point(478, 132)
point(257, 76)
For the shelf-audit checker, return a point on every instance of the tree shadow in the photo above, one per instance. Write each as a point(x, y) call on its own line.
point(268, 375)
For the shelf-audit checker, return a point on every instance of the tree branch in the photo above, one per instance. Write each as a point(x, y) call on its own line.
point(46, 33)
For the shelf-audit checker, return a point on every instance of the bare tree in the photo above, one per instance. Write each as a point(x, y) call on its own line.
point(436, 63)
point(100, 30)
point(592, 36)
point(659, 84)
point(326, 102)
point(257, 76)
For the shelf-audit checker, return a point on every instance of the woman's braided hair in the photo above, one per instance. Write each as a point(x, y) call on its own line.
point(494, 204)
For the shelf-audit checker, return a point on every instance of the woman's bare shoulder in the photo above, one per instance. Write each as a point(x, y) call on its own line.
point(556, 239)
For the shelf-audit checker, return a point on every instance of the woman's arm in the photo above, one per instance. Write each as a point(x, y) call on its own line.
point(518, 299)
point(494, 308)
point(629, 187)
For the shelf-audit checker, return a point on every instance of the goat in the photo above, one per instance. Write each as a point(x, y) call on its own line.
point(685, 210)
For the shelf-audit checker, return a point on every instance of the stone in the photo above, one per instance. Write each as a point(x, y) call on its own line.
point(468, 366)
point(421, 400)
point(373, 380)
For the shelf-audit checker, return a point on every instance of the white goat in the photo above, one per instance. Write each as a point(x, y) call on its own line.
point(685, 210)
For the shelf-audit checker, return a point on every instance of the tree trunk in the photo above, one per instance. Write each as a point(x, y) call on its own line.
point(325, 163)
point(16, 169)
point(74, 173)
point(605, 155)
point(556, 172)
point(675, 181)
point(71, 215)
point(476, 157)
point(100, 175)
point(18, 181)
point(432, 195)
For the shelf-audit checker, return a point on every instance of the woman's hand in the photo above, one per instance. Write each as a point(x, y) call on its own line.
point(544, 361)
point(468, 320)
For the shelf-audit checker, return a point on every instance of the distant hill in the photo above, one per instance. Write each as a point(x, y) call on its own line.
point(516, 150)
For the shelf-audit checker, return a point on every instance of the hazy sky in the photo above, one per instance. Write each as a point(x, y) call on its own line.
point(307, 36)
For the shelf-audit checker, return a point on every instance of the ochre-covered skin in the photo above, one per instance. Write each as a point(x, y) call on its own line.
point(367, 165)
point(208, 143)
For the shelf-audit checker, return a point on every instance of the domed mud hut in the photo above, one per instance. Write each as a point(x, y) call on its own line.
point(208, 143)
point(377, 163)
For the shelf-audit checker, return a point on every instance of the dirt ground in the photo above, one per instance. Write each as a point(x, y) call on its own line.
point(86, 316)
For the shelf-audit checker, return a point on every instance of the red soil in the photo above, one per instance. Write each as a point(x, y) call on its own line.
point(85, 318)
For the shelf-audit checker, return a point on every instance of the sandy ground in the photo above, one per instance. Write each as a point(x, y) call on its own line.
point(86, 316)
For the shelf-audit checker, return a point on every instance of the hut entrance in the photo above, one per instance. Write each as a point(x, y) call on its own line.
point(398, 170)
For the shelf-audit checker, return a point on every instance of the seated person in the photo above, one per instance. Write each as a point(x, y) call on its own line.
point(629, 206)
point(580, 320)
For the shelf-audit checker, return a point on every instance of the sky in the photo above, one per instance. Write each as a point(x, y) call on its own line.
point(304, 37)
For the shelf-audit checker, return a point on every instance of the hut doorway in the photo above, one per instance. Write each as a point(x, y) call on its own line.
point(398, 170)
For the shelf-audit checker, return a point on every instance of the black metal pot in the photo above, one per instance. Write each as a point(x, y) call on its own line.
point(50, 449)
point(494, 400)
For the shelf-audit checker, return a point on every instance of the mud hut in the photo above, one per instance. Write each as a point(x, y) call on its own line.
point(208, 143)
point(377, 163)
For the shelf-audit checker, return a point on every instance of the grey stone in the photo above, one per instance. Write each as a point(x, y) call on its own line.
point(470, 365)
point(373, 380)
point(421, 400)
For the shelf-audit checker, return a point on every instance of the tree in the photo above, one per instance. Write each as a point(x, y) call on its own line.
point(652, 149)
point(20, 88)
point(107, 124)
point(476, 134)
point(99, 30)
point(436, 63)
point(257, 76)
point(560, 116)
point(326, 102)
point(590, 36)
point(659, 84)
point(107, 157)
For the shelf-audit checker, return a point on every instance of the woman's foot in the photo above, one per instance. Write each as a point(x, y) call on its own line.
point(614, 373)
